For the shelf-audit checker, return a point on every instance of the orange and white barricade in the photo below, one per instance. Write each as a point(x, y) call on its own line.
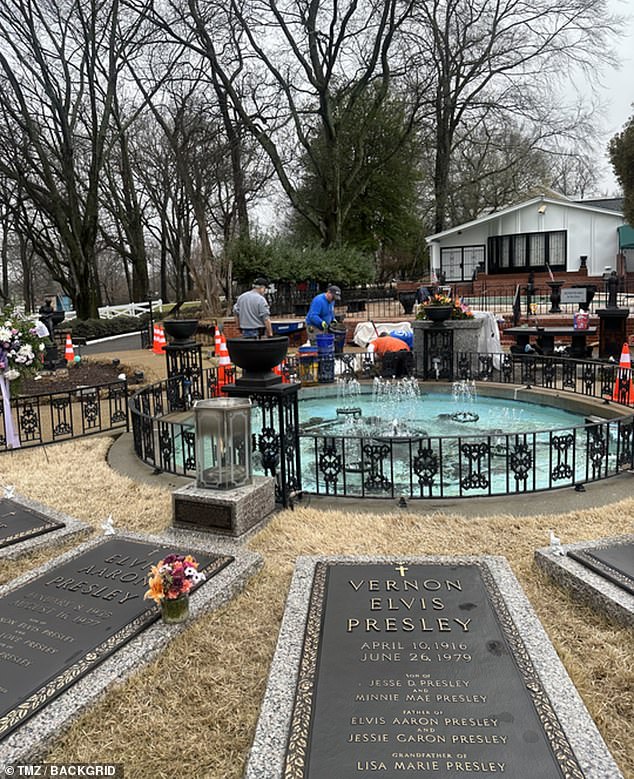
point(159, 344)
point(69, 351)
point(623, 386)
point(225, 372)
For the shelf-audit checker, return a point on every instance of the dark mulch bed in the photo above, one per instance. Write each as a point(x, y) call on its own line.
point(87, 374)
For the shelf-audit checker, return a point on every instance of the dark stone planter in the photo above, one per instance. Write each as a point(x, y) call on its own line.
point(180, 330)
point(555, 296)
point(438, 313)
point(257, 358)
point(407, 300)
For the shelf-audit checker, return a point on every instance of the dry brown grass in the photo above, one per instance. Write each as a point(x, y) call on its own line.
point(196, 706)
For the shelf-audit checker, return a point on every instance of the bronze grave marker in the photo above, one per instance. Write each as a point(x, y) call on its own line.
point(57, 627)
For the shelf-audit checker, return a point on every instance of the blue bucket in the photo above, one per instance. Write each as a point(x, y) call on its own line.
point(325, 343)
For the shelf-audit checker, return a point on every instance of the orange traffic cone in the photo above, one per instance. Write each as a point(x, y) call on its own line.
point(279, 370)
point(156, 337)
point(225, 373)
point(69, 351)
point(217, 342)
point(623, 386)
point(158, 345)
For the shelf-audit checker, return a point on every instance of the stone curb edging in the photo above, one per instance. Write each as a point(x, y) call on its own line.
point(581, 582)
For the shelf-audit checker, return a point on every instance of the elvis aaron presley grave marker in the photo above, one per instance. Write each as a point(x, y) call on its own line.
point(58, 626)
point(418, 668)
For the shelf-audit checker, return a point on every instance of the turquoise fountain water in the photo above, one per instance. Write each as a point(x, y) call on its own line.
point(467, 444)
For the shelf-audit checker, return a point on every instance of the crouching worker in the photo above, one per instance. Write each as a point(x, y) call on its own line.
point(396, 357)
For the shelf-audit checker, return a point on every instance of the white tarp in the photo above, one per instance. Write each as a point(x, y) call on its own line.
point(366, 332)
point(489, 335)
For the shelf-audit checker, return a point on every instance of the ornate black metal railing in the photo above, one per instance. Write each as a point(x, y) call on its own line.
point(422, 466)
point(61, 416)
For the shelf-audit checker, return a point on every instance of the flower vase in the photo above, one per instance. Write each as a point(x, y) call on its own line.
point(175, 610)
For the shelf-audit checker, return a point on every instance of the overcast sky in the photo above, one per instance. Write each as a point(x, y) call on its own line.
point(618, 93)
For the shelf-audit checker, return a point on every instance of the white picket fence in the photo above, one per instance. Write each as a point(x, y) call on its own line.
point(128, 309)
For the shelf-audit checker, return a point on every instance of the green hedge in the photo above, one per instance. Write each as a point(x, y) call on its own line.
point(102, 328)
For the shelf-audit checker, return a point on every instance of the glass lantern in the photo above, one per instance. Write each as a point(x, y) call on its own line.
point(223, 443)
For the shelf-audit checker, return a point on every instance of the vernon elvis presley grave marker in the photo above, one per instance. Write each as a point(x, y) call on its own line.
point(57, 627)
point(19, 523)
point(419, 668)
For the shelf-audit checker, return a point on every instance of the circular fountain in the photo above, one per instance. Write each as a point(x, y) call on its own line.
point(392, 438)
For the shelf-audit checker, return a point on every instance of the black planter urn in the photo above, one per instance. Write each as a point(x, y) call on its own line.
point(555, 296)
point(257, 357)
point(438, 314)
point(407, 300)
point(181, 331)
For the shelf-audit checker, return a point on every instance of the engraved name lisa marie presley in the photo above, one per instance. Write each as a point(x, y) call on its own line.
point(389, 601)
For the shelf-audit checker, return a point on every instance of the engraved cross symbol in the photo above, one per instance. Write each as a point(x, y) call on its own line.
point(401, 569)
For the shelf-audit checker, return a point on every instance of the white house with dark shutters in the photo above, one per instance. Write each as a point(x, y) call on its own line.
point(534, 235)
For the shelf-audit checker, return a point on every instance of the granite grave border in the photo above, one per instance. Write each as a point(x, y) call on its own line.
point(269, 749)
point(72, 530)
point(30, 742)
point(586, 584)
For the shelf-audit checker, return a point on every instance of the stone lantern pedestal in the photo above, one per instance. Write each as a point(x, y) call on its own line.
point(226, 498)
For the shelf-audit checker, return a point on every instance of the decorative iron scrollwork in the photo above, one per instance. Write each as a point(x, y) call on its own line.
point(90, 410)
point(588, 378)
point(569, 374)
point(166, 446)
point(607, 376)
point(520, 461)
point(425, 465)
point(486, 367)
point(475, 453)
point(464, 367)
point(562, 445)
point(267, 443)
point(189, 450)
point(549, 373)
point(597, 449)
point(330, 464)
point(60, 408)
point(507, 368)
point(374, 455)
point(29, 421)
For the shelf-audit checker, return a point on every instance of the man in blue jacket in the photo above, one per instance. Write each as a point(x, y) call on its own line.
point(322, 312)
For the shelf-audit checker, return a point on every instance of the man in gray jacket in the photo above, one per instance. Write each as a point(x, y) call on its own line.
point(252, 311)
